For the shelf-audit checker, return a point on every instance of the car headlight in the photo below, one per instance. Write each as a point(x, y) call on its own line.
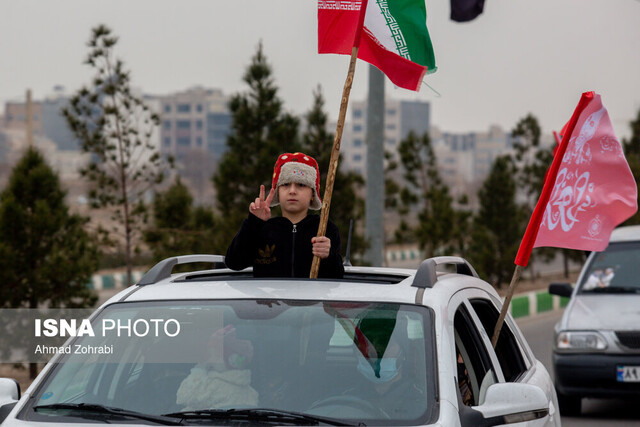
point(580, 341)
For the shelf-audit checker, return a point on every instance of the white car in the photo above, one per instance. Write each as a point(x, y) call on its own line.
point(379, 347)
point(596, 350)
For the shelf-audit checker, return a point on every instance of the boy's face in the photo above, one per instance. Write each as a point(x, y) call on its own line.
point(295, 198)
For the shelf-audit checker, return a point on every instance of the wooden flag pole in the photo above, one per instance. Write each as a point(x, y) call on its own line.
point(335, 155)
point(507, 301)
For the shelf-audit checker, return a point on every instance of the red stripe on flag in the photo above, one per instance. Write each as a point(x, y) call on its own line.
point(402, 72)
point(529, 238)
point(336, 31)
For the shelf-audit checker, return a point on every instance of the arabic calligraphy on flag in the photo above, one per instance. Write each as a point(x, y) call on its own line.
point(594, 190)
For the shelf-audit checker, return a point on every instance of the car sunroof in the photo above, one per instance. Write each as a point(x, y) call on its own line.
point(349, 276)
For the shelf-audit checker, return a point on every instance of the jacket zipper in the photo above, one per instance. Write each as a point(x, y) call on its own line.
point(293, 249)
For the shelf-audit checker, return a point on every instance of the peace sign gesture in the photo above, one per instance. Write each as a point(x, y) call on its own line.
point(260, 207)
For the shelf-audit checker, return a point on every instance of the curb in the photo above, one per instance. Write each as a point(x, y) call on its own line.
point(101, 282)
point(532, 303)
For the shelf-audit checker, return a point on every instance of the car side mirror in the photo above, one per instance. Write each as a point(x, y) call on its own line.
point(9, 396)
point(9, 390)
point(508, 403)
point(561, 289)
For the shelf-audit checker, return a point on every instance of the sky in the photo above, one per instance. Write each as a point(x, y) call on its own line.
point(518, 57)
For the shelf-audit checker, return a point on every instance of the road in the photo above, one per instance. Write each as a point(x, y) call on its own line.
point(538, 331)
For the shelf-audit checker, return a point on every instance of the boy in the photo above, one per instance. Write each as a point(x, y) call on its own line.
point(284, 246)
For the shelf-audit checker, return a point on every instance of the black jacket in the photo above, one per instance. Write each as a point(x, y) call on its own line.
point(279, 248)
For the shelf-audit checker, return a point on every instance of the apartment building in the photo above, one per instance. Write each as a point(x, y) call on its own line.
point(400, 118)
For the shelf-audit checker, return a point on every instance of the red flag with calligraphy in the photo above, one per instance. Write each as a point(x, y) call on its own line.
point(589, 188)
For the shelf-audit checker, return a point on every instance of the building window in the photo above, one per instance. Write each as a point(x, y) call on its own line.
point(357, 128)
point(357, 142)
point(183, 124)
point(199, 108)
point(167, 108)
point(357, 114)
point(184, 142)
point(166, 124)
point(167, 142)
point(199, 141)
point(184, 108)
point(220, 134)
point(391, 112)
point(198, 124)
point(391, 141)
point(357, 157)
point(222, 119)
point(391, 126)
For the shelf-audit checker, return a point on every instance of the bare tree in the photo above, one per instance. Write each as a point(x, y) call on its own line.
point(115, 127)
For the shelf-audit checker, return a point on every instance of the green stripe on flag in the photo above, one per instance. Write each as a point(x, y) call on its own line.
point(411, 18)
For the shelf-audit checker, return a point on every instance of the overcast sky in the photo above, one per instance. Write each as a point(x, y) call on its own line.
point(519, 56)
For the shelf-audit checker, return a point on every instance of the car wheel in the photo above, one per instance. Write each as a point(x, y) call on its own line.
point(569, 405)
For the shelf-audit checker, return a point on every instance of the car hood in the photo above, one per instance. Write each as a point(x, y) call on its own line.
point(612, 312)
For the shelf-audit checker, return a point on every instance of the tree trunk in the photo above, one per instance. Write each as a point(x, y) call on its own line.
point(128, 259)
point(33, 370)
point(33, 366)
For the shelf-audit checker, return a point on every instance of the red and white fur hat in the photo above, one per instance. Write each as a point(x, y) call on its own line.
point(298, 168)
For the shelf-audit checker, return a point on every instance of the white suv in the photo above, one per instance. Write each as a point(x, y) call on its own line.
point(379, 347)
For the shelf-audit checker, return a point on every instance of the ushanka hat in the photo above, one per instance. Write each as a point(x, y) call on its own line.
point(298, 168)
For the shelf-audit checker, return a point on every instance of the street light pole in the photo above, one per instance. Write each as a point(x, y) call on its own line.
point(374, 205)
point(29, 117)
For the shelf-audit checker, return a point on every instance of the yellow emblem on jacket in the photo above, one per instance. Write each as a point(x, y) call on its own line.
point(265, 256)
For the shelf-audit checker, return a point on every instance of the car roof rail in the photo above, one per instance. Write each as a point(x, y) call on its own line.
point(162, 270)
point(426, 276)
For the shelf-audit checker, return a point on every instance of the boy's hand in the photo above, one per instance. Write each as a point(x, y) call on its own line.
point(260, 207)
point(321, 246)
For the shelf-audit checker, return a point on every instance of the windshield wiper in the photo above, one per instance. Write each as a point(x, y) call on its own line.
point(275, 416)
point(616, 290)
point(107, 410)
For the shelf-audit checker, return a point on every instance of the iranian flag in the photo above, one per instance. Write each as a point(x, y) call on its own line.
point(589, 188)
point(394, 36)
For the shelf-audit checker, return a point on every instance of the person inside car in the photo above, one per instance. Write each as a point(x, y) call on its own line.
point(284, 246)
point(224, 380)
point(387, 386)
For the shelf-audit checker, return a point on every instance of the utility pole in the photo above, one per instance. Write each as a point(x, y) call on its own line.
point(29, 114)
point(374, 206)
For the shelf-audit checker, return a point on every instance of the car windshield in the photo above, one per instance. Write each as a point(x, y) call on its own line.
point(352, 362)
point(613, 271)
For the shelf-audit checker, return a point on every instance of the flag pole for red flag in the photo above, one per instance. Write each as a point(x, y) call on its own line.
point(335, 151)
point(529, 238)
point(505, 306)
